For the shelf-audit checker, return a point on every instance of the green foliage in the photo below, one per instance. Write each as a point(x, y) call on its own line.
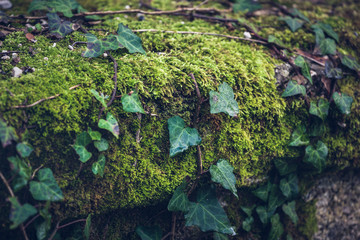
point(327, 46)
point(207, 213)
point(299, 137)
point(7, 134)
point(328, 30)
point(20, 213)
point(317, 128)
point(129, 40)
point(179, 200)
point(246, 6)
point(87, 227)
point(277, 228)
point(289, 209)
point(264, 214)
point(84, 154)
point(350, 62)
point(99, 166)
point(181, 137)
point(320, 109)
point(305, 67)
point(276, 199)
point(289, 186)
point(83, 139)
point(319, 34)
point(96, 47)
point(248, 210)
point(263, 192)
point(220, 236)
point(284, 167)
point(58, 27)
point(316, 156)
point(100, 97)
point(343, 102)
point(63, 6)
point(46, 189)
point(296, 13)
point(223, 101)
point(101, 145)
point(110, 124)
point(246, 224)
point(94, 135)
point(21, 170)
point(273, 39)
point(293, 88)
point(293, 23)
point(24, 149)
point(131, 103)
point(331, 71)
point(149, 233)
point(222, 173)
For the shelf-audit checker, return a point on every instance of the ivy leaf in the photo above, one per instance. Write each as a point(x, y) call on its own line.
point(87, 227)
point(129, 40)
point(293, 23)
point(96, 47)
point(98, 167)
point(263, 192)
point(20, 214)
point(41, 230)
point(47, 188)
point(94, 135)
point(284, 166)
point(44, 227)
point(110, 124)
point(246, 6)
point(316, 156)
point(328, 30)
point(277, 228)
point(220, 236)
point(319, 35)
point(223, 101)
point(181, 137)
point(57, 27)
point(23, 171)
point(327, 46)
point(83, 139)
point(37, 5)
point(63, 6)
point(101, 145)
point(149, 233)
point(289, 186)
point(305, 68)
point(289, 209)
point(264, 214)
point(179, 200)
point(293, 88)
point(273, 39)
point(207, 213)
point(222, 173)
point(350, 62)
point(100, 97)
point(246, 224)
point(331, 71)
point(248, 210)
point(296, 13)
point(276, 198)
point(320, 109)
point(343, 102)
point(82, 152)
point(299, 137)
point(24, 149)
point(131, 103)
point(317, 128)
point(7, 134)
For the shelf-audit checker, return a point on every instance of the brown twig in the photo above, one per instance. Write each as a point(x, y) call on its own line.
point(35, 171)
point(43, 99)
point(173, 227)
point(31, 221)
point(138, 138)
point(11, 29)
point(63, 226)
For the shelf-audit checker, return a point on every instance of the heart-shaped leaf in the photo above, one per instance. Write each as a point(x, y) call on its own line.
point(20, 213)
point(317, 128)
point(110, 124)
point(149, 233)
point(331, 71)
point(248, 210)
point(129, 40)
point(100, 97)
point(299, 137)
point(289, 209)
point(223, 101)
point(320, 109)
point(21, 170)
point(83, 139)
point(277, 228)
point(96, 47)
point(316, 156)
point(263, 192)
point(328, 30)
point(246, 6)
point(293, 23)
point(131, 103)
point(264, 214)
point(101, 145)
point(47, 188)
point(293, 88)
point(273, 39)
point(181, 137)
point(99, 166)
point(7, 134)
point(343, 102)
point(289, 186)
point(82, 152)
point(305, 68)
point(87, 227)
point(246, 224)
point(222, 173)
point(276, 198)
point(296, 13)
point(179, 200)
point(350, 62)
point(319, 34)
point(207, 213)
point(57, 27)
point(94, 135)
point(63, 6)
point(285, 166)
point(24, 149)
point(327, 46)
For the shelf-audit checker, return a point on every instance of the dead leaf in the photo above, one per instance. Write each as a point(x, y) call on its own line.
point(300, 79)
point(30, 37)
point(319, 60)
point(327, 83)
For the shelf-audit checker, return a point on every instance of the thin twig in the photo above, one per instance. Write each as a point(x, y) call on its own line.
point(35, 171)
point(71, 223)
point(7, 52)
point(31, 221)
point(138, 139)
point(202, 3)
point(173, 228)
point(43, 99)
point(11, 29)
point(55, 231)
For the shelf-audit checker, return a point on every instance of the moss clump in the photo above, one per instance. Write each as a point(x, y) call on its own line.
point(308, 223)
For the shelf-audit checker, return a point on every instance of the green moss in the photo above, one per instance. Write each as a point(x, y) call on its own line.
point(307, 218)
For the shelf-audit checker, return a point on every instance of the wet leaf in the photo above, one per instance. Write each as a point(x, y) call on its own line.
point(285, 166)
point(305, 68)
point(94, 135)
point(223, 101)
point(320, 109)
point(179, 200)
point(7, 134)
point(293, 23)
point(328, 30)
point(87, 227)
point(131, 103)
point(289, 186)
point(343, 102)
point(149, 233)
point(46, 189)
point(82, 152)
point(220, 236)
point(129, 40)
point(57, 27)
point(222, 173)
point(263, 191)
point(273, 39)
point(350, 62)
point(20, 213)
point(331, 71)
point(246, 6)
point(277, 228)
point(296, 13)
point(316, 156)
point(264, 214)
point(299, 137)
point(110, 124)
point(96, 47)
point(293, 88)
point(246, 224)
point(181, 137)
point(207, 213)
point(327, 46)
point(100, 97)
point(99, 166)
point(289, 209)
point(101, 145)
point(24, 149)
